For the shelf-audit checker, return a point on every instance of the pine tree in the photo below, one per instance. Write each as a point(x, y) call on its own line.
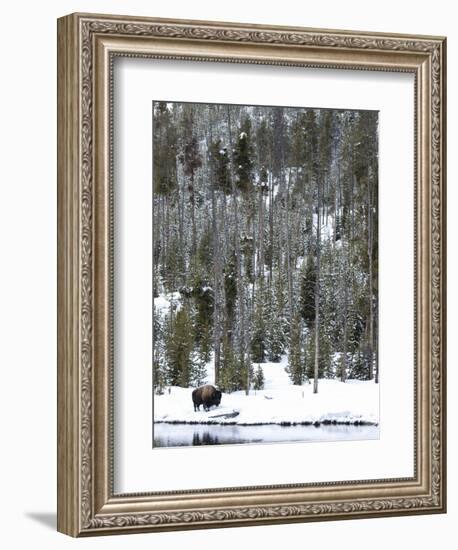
point(309, 357)
point(245, 373)
point(258, 379)
point(259, 338)
point(295, 367)
point(172, 268)
point(230, 379)
point(165, 151)
point(159, 364)
point(275, 329)
point(180, 360)
point(247, 250)
point(205, 254)
point(199, 369)
point(191, 160)
point(307, 292)
point(219, 159)
point(158, 377)
point(203, 295)
point(243, 160)
point(330, 333)
point(230, 291)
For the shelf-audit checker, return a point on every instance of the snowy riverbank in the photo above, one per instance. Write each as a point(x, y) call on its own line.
point(280, 402)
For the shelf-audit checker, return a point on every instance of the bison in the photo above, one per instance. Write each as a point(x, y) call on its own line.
point(207, 396)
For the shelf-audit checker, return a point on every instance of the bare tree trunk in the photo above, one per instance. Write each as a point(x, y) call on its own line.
point(225, 225)
point(216, 279)
point(352, 207)
point(288, 253)
point(261, 236)
point(193, 216)
point(182, 220)
point(240, 287)
point(254, 260)
point(163, 229)
point(217, 275)
point(317, 295)
point(343, 278)
point(271, 224)
point(371, 291)
point(336, 198)
point(343, 374)
point(157, 239)
point(180, 224)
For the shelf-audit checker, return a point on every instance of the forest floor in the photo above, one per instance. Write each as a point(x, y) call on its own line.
point(280, 402)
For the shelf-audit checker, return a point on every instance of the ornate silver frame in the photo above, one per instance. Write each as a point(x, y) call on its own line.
point(87, 44)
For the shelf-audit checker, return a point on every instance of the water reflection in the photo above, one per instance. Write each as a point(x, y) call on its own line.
point(204, 439)
point(178, 435)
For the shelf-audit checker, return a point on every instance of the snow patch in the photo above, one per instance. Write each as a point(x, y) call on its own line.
point(163, 302)
point(280, 402)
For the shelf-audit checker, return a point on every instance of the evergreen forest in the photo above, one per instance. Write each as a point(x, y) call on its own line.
point(265, 244)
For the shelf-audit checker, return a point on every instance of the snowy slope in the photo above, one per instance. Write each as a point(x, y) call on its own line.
point(279, 403)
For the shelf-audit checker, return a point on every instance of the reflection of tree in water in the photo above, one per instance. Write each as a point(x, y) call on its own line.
point(204, 439)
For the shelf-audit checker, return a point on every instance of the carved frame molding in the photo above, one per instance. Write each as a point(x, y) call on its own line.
point(87, 45)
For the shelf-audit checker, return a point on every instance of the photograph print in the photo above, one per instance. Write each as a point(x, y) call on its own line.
point(265, 274)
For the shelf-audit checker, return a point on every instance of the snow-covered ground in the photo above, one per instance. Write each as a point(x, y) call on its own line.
point(280, 402)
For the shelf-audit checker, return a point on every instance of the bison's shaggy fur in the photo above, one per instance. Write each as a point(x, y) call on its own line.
point(207, 396)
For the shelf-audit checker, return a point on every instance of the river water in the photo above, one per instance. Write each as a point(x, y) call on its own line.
point(179, 435)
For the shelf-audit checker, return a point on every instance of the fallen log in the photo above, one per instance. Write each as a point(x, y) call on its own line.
point(233, 414)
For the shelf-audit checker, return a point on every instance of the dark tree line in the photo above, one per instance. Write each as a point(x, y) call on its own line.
point(265, 243)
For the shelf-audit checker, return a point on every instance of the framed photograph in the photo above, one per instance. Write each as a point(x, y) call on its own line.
point(251, 289)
